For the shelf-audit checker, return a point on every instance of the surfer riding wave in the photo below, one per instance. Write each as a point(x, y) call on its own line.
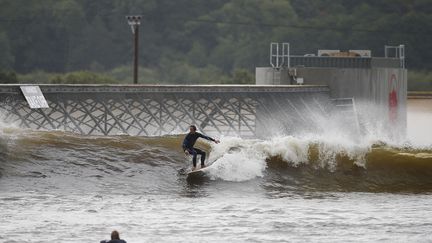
point(189, 142)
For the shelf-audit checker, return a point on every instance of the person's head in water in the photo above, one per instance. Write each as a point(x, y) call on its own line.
point(115, 238)
point(115, 235)
point(192, 128)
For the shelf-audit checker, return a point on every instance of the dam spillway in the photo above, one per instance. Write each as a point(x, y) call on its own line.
point(155, 110)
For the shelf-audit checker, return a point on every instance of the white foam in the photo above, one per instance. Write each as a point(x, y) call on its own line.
point(7, 129)
point(237, 159)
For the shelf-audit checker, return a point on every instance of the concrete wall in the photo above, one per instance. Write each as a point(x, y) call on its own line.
point(380, 93)
point(270, 76)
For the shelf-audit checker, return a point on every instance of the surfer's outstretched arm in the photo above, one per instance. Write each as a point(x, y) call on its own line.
point(209, 138)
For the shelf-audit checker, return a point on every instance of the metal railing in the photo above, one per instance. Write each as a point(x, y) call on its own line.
point(279, 55)
point(344, 62)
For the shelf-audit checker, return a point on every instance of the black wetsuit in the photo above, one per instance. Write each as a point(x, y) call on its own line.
point(113, 241)
point(189, 142)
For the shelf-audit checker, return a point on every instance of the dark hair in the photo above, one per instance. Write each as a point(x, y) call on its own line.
point(115, 235)
point(193, 126)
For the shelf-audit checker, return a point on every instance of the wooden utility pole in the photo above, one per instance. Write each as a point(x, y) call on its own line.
point(134, 22)
point(136, 54)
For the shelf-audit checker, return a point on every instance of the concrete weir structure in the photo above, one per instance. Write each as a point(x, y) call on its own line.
point(376, 85)
point(156, 110)
point(296, 94)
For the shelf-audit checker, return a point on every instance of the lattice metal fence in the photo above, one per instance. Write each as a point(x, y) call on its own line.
point(240, 111)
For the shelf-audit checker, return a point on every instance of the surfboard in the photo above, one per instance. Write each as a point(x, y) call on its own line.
point(198, 173)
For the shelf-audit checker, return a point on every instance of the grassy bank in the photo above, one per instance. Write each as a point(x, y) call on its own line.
point(419, 80)
point(180, 73)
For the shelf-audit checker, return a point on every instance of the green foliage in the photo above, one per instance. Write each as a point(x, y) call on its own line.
point(8, 77)
point(82, 77)
point(6, 57)
point(419, 81)
point(174, 74)
point(124, 74)
point(241, 76)
point(184, 73)
point(77, 77)
point(196, 41)
point(37, 77)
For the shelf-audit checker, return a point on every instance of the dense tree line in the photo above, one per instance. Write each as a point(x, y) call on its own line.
point(202, 40)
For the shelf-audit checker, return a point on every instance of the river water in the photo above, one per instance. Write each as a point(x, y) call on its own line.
point(62, 187)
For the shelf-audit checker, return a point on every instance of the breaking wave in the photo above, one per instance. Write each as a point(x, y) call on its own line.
point(281, 163)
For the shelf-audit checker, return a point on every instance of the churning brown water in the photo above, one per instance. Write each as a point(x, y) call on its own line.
point(61, 187)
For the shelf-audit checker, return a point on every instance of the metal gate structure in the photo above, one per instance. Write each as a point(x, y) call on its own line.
point(156, 110)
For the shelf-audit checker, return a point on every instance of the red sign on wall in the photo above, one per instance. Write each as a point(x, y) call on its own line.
point(393, 98)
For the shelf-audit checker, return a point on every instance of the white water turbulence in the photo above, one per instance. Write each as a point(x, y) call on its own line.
point(239, 159)
point(331, 138)
point(286, 188)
